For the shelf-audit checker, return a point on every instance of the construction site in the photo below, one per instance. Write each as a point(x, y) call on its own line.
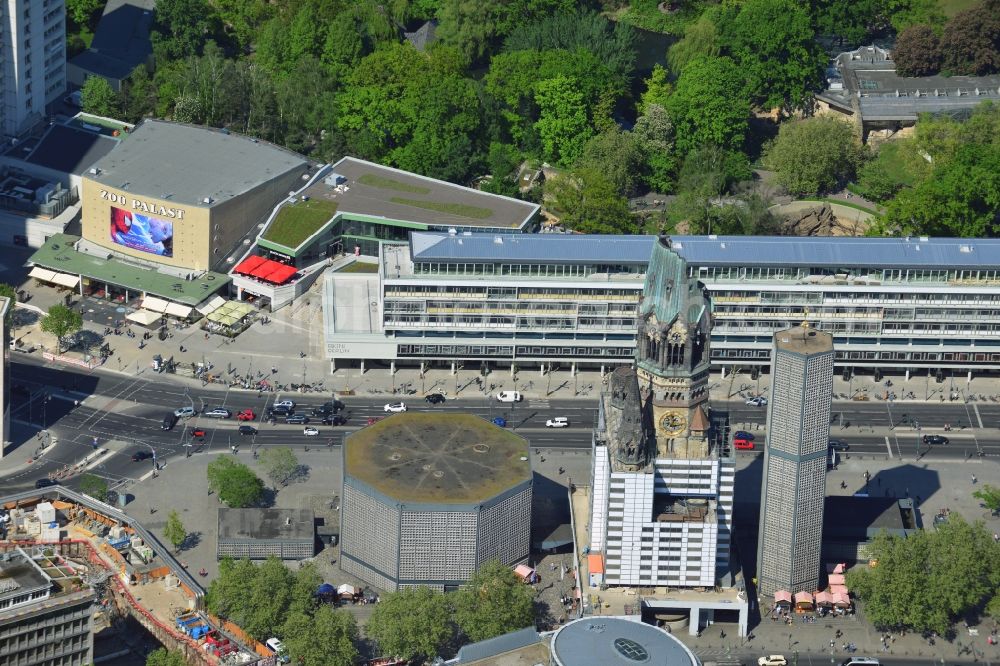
point(69, 561)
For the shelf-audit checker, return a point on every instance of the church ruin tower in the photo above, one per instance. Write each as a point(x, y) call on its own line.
point(672, 353)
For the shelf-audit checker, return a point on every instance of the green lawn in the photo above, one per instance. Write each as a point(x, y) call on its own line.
point(299, 221)
point(390, 184)
point(463, 210)
point(359, 267)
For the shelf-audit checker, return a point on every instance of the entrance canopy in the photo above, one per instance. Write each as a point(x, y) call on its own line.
point(144, 317)
point(66, 280)
point(178, 310)
point(43, 274)
point(211, 305)
point(266, 270)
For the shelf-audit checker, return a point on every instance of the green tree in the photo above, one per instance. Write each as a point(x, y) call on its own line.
point(182, 27)
point(814, 155)
point(989, 496)
point(326, 638)
point(654, 134)
point(471, 26)
point(896, 165)
point(138, 95)
point(61, 321)
point(98, 97)
point(95, 486)
point(411, 623)
point(773, 43)
point(917, 51)
point(658, 89)
point(620, 157)
point(174, 530)
point(10, 293)
point(229, 593)
point(851, 20)
point(701, 39)
point(562, 120)
point(613, 43)
point(280, 464)
point(960, 198)
point(83, 13)
point(236, 485)
point(710, 105)
point(905, 13)
point(586, 202)
point(494, 602)
point(927, 580)
point(164, 657)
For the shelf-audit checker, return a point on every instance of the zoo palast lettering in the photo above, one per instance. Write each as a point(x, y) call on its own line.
point(145, 207)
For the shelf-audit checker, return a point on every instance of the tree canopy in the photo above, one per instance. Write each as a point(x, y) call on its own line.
point(587, 202)
point(917, 51)
point(411, 623)
point(235, 483)
point(814, 155)
point(279, 463)
point(174, 530)
point(493, 602)
point(61, 321)
point(164, 657)
point(929, 579)
point(710, 105)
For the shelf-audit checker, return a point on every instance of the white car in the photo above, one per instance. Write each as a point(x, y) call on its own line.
point(185, 412)
point(395, 407)
point(278, 648)
point(772, 660)
point(757, 401)
point(509, 396)
point(285, 404)
point(310, 431)
point(557, 422)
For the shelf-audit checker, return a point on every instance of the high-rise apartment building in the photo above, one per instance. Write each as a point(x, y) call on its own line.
point(795, 460)
point(32, 61)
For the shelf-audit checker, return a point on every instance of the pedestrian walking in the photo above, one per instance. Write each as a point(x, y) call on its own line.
point(973, 479)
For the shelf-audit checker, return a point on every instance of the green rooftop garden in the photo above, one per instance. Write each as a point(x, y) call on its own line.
point(463, 210)
point(298, 221)
point(359, 267)
point(372, 180)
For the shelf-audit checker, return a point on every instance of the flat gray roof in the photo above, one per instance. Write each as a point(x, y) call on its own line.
point(437, 458)
point(380, 191)
point(266, 524)
point(70, 150)
point(531, 248)
point(777, 251)
point(187, 163)
point(615, 641)
point(803, 340)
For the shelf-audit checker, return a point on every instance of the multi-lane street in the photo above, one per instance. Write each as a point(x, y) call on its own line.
point(75, 407)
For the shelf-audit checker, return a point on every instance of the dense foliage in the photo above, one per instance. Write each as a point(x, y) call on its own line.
point(495, 601)
point(235, 483)
point(814, 155)
point(931, 578)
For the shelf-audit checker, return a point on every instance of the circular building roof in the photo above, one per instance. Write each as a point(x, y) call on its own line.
point(614, 641)
point(437, 458)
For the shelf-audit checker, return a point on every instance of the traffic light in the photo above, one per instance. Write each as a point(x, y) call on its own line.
point(878, 375)
point(755, 374)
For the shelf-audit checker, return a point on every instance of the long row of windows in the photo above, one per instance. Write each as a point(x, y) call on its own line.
point(526, 270)
point(845, 274)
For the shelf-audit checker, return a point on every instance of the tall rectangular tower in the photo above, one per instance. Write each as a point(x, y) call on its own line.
point(32, 61)
point(795, 459)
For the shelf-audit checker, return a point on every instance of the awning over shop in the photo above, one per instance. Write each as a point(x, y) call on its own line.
point(803, 598)
point(824, 599)
point(267, 270)
point(836, 579)
point(178, 310)
point(782, 596)
point(154, 304)
point(43, 274)
point(66, 280)
point(248, 265)
point(595, 563)
point(835, 568)
point(230, 312)
point(144, 317)
point(211, 305)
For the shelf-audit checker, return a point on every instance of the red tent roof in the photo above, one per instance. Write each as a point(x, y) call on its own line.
point(279, 273)
point(248, 265)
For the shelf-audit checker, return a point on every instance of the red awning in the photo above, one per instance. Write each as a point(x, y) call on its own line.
point(248, 265)
point(836, 579)
point(281, 274)
point(783, 596)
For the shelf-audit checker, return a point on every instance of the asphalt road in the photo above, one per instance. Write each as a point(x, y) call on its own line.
point(131, 409)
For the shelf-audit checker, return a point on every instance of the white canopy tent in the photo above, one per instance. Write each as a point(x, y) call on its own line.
point(178, 310)
point(144, 317)
point(210, 305)
point(43, 274)
point(66, 280)
point(154, 304)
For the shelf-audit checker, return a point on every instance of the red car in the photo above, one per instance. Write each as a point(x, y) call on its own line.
point(743, 444)
point(198, 433)
point(372, 420)
point(246, 415)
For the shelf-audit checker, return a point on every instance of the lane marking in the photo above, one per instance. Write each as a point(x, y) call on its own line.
point(979, 418)
point(888, 446)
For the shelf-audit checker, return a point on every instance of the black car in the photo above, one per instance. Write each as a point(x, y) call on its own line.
point(935, 439)
point(328, 408)
point(435, 398)
point(46, 483)
point(334, 420)
point(298, 419)
point(839, 445)
point(247, 430)
point(169, 421)
point(139, 456)
point(279, 412)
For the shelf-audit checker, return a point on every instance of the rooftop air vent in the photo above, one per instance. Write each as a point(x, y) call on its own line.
point(965, 248)
point(924, 239)
point(94, 171)
point(498, 240)
point(712, 236)
point(452, 231)
point(207, 200)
